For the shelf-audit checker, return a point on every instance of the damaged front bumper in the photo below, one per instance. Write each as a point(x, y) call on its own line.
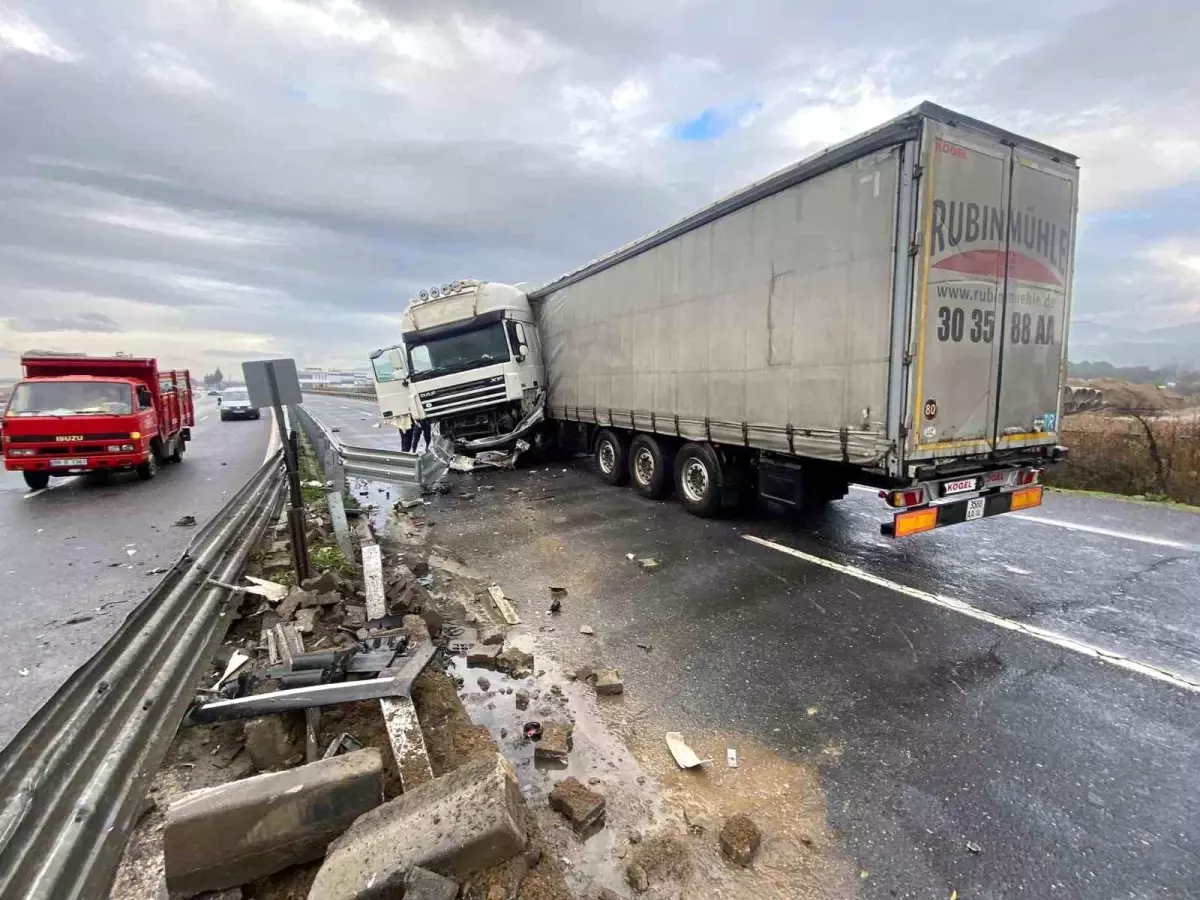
point(533, 418)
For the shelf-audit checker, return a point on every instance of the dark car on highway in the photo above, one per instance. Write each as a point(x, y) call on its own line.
point(235, 404)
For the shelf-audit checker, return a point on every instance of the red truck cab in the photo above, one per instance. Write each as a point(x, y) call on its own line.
point(72, 415)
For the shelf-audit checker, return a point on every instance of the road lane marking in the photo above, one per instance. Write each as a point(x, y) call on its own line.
point(1075, 526)
point(1108, 532)
point(1051, 637)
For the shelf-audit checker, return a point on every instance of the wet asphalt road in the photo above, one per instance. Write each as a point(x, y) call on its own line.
point(931, 729)
point(64, 553)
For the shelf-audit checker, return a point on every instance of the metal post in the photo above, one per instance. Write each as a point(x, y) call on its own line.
point(295, 514)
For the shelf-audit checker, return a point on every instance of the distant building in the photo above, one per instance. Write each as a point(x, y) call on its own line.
point(311, 378)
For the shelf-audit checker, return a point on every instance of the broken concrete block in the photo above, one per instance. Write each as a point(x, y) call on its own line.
point(275, 742)
point(306, 619)
point(322, 584)
point(292, 602)
point(330, 598)
point(356, 617)
point(469, 819)
point(582, 807)
point(238, 832)
point(515, 662)
point(556, 742)
point(421, 884)
point(483, 656)
point(522, 699)
point(492, 637)
point(433, 619)
point(608, 681)
point(740, 840)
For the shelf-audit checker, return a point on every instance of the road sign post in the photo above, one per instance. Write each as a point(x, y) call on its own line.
point(274, 383)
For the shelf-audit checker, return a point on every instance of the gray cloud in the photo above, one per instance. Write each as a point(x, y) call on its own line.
point(91, 323)
point(225, 179)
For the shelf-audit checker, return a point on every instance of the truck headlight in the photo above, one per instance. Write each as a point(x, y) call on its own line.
point(119, 448)
point(22, 452)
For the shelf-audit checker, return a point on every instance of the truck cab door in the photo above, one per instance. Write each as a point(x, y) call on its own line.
point(392, 391)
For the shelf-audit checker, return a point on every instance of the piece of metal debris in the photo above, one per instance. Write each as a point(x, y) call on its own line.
point(731, 758)
point(236, 661)
point(648, 564)
point(271, 591)
point(685, 756)
point(185, 521)
point(343, 743)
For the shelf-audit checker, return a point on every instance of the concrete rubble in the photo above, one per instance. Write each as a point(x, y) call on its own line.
point(236, 833)
point(555, 744)
point(608, 682)
point(740, 839)
point(275, 742)
point(467, 820)
point(582, 806)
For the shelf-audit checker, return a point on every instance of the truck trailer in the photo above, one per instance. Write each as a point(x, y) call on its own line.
point(890, 312)
point(75, 414)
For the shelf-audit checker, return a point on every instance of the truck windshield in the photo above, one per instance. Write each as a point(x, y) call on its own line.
point(467, 350)
point(71, 398)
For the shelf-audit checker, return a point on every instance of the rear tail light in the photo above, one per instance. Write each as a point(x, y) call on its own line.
point(914, 522)
point(1029, 476)
point(1026, 498)
point(905, 499)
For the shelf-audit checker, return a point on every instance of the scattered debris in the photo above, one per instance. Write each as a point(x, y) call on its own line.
point(974, 847)
point(422, 884)
point(483, 656)
point(637, 878)
point(556, 743)
point(225, 836)
point(236, 662)
point(185, 522)
point(648, 564)
point(157, 570)
point(275, 742)
point(532, 731)
point(78, 620)
point(740, 840)
point(483, 683)
point(555, 605)
point(685, 756)
point(646, 647)
point(515, 662)
point(343, 743)
point(731, 758)
point(306, 619)
point(411, 503)
point(469, 819)
point(586, 629)
point(582, 807)
point(608, 682)
point(522, 699)
point(271, 591)
point(502, 605)
point(322, 584)
point(295, 598)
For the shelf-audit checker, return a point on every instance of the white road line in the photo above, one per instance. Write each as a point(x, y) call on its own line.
point(1088, 529)
point(966, 609)
point(201, 419)
point(1108, 532)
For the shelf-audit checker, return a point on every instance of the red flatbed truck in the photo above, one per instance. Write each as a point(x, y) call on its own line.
point(72, 415)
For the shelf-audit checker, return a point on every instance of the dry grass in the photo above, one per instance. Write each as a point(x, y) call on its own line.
point(1138, 454)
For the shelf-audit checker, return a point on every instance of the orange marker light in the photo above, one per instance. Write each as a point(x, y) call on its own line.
point(914, 522)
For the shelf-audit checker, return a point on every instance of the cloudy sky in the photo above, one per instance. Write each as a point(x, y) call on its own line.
point(211, 180)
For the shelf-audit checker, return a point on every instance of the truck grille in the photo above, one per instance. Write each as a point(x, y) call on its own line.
point(472, 395)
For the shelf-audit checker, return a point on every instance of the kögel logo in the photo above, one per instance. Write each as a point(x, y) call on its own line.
point(69, 437)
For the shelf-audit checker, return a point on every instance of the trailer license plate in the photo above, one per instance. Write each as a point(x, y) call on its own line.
point(975, 508)
point(67, 463)
point(959, 487)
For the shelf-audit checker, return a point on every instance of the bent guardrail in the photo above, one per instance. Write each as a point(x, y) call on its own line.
point(73, 779)
point(365, 462)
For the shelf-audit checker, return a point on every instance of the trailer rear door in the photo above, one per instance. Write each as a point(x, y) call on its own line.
point(992, 297)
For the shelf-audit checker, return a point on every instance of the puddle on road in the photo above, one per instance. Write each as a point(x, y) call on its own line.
point(647, 794)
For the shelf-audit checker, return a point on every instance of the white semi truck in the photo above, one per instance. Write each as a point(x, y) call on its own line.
point(891, 312)
point(469, 360)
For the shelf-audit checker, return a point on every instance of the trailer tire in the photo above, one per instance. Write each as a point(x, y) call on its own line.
point(650, 469)
point(149, 468)
point(699, 479)
point(36, 480)
point(612, 457)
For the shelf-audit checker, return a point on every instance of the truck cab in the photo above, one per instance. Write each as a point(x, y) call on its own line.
point(469, 360)
point(72, 415)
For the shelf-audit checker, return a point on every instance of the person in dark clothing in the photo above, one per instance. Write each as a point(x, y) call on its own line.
point(421, 430)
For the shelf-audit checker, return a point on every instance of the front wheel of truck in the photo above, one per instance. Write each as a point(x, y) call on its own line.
point(699, 479)
point(149, 468)
point(36, 480)
point(612, 457)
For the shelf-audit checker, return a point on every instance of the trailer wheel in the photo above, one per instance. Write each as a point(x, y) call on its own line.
point(36, 480)
point(649, 468)
point(699, 480)
point(612, 457)
point(149, 468)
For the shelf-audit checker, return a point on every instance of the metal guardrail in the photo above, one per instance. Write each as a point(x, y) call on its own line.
point(365, 462)
point(73, 780)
